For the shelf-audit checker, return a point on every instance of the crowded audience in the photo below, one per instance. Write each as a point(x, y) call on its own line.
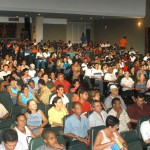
point(91, 84)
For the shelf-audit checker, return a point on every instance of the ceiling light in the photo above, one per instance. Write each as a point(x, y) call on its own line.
point(91, 18)
point(39, 14)
point(17, 16)
point(103, 17)
point(26, 15)
point(81, 18)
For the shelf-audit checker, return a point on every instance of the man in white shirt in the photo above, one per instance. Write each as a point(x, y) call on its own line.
point(145, 131)
point(10, 141)
point(84, 64)
point(146, 57)
point(98, 116)
point(5, 72)
point(121, 114)
point(60, 93)
point(97, 74)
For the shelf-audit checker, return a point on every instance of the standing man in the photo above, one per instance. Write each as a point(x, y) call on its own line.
point(123, 42)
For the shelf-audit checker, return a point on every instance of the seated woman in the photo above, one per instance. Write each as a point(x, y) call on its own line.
point(24, 133)
point(109, 138)
point(75, 96)
point(140, 85)
point(36, 119)
point(25, 96)
point(57, 112)
point(75, 85)
point(13, 89)
point(26, 77)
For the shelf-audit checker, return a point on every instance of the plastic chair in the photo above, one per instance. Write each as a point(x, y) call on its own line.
point(78, 146)
point(35, 143)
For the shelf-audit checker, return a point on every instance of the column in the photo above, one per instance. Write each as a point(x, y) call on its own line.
point(37, 28)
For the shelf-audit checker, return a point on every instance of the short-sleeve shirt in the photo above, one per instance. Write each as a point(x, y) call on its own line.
point(19, 146)
point(65, 84)
point(44, 147)
point(56, 116)
point(96, 119)
point(75, 126)
point(123, 119)
point(136, 112)
point(86, 107)
point(25, 99)
point(145, 130)
point(3, 111)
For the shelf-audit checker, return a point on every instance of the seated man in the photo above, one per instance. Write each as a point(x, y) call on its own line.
point(98, 117)
point(61, 81)
point(44, 92)
point(83, 100)
point(77, 125)
point(114, 93)
point(121, 114)
point(60, 93)
point(10, 141)
point(139, 109)
point(3, 112)
point(50, 141)
point(145, 131)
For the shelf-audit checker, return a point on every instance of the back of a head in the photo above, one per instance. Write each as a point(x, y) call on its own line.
point(42, 82)
point(112, 121)
point(9, 135)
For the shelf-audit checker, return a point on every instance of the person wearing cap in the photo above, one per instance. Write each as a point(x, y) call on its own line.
point(114, 93)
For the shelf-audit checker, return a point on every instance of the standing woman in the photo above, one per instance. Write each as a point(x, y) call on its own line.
point(36, 120)
point(13, 89)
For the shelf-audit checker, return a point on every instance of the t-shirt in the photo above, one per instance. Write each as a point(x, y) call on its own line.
point(19, 146)
point(44, 147)
point(3, 111)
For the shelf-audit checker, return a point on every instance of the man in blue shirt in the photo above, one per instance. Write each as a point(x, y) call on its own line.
point(77, 126)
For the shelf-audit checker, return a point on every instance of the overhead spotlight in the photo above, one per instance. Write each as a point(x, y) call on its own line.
point(103, 17)
point(81, 18)
point(26, 15)
point(39, 14)
point(91, 18)
point(16, 16)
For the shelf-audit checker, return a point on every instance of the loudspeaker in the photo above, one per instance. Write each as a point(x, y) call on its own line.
point(27, 26)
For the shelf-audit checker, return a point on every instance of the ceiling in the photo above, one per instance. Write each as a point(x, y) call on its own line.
point(56, 15)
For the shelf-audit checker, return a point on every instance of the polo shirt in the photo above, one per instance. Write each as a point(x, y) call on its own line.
point(136, 112)
point(75, 126)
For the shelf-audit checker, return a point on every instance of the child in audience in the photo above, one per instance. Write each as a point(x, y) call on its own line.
point(51, 142)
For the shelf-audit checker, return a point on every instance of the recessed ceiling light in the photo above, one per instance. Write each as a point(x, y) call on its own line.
point(103, 17)
point(39, 14)
point(91, 18)
point(26, 15)
point(17, 16)
point(81, 18)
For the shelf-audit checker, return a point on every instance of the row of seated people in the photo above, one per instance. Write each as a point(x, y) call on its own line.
point(98, 117)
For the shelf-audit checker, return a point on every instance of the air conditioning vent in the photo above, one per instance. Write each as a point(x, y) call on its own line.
point(13, 19)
